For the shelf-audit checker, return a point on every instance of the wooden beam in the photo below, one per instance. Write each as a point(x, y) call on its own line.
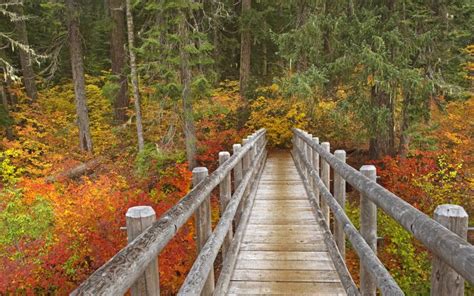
point(132, 260)
point(448, 246)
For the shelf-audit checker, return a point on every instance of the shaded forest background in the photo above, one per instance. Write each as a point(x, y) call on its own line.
point(109, 104)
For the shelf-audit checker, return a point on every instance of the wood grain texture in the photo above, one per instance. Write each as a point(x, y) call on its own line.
point(282, 251)
point(449, 247)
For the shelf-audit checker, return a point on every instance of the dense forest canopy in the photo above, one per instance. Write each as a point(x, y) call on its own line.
point(108, 104)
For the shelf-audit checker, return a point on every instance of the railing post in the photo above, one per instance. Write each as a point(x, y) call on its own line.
point(325, 177)
point(238, 167)
point(340, 195)
point(224, 198)
point(246, 158)
point(237, 179)
point(309, 156)
point(316, 168)
point(138, 219)
point(444, 280)
point(203, 225)
point(368, 230)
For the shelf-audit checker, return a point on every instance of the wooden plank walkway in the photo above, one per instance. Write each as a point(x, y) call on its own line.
point(282, 252)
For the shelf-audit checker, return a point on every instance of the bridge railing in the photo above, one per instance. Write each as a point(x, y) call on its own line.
point(135, 266)
point(453, 255)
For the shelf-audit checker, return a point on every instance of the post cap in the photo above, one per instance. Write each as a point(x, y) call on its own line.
point(224, 154)
point(368, 168)
point(201, 170)
point(448, 210)
point(140, 212)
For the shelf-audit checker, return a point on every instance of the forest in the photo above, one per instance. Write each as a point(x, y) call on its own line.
point(108, 104)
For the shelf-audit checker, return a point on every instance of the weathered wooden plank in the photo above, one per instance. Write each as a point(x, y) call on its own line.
point(283, 255)
point(285, 264)
point(280, 221)
point(327, 276)
point(271, 214)
point(282, 203)
point(304, 233)
point(285, 288)
point(319, 246)
point(286, 228)
point(279, 196)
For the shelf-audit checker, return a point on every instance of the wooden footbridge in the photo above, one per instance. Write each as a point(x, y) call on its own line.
point(283, 230)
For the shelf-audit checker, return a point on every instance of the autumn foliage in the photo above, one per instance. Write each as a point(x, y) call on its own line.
point(53, 235)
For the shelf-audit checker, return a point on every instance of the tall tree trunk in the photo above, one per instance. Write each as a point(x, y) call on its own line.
point(265, 60)
point(134, 74)
point(186, 77)
point(118, 58)
point(245, 49)
point(404, 136)
point(77, 65)
point(8, 128)
point(25, 58)
point(382, 139)
point(301, 18)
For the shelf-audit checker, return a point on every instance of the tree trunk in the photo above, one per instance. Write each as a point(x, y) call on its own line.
point(77, 65)
point(25, 59)
point(301, 18)
point(382, 139)
point(245, 49)
point(404, 136)
point(118, 58)
point(134, 73)
point(8, 128)
point(185, 69)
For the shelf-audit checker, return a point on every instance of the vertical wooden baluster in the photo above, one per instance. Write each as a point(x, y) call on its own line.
point(224, 198)
point(138, 219)
point(316, 167)
point(325, 177)
point(203, 225)
point(444, 280)
point(309, 157)
point(368, 230)
point(238, 174)
point(340, 196)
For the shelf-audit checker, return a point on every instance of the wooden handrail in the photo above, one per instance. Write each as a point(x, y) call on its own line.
point(122, 270)
point(384, 280)
point(203, 264)
point(449, 247)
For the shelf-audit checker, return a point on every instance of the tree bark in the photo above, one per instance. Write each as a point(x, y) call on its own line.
point(186, 77)
point(301, 18)
point(8, 129)
point(404, 136)
point(118, 58)
point(245, 49)
point(77, 65)
point(134, 78)
point(382, 139)
point(25, 59)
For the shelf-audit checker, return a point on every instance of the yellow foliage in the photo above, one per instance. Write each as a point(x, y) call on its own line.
point(278, 116)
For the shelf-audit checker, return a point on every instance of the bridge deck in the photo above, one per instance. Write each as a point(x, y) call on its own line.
point(282, 251)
